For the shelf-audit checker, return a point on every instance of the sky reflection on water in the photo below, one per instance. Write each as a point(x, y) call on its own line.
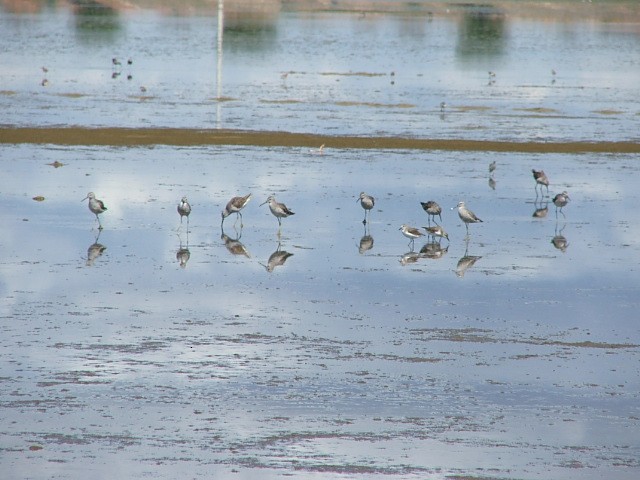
point(332, 333)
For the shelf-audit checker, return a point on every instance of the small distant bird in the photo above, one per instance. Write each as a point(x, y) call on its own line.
point(541, 179)
point(184, 209)
point(45, 69)
point(492, 167)
point(44, 82)
point(443, 105)
point(437, 231)
point(367, 202)
point(115, 62)
point(466, 215)
point(143, 89)
point(411, 232)
point(317, 151)
point(129, 62)
point(235, 205)
point(96, 206)
point(432, 209)
point(561, 200)
point(279, 210)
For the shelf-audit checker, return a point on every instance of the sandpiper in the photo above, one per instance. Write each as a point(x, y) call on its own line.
point(279, 210)
point(466, 215)
point(560, 200)
point(184, 209)
point(432, 208)
point(411, 233)
point(492, 167)
point(541, 179)
point(437, 231)
point(235, 205)
point(367, 202)
point(96, 206)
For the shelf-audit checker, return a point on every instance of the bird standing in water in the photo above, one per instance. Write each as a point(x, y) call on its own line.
point(466, 215)
point(541, 179)
point(184, 209)
point(234, 206)
point(432, 208)
point(96, 206)
point(367, 202)
point(411, 232)
point(560, 200)
point(279, 210)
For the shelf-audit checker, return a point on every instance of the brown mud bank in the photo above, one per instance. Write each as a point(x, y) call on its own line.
point(194, 137)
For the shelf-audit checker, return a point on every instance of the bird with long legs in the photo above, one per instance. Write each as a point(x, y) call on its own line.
point(96, 206)
point(367, 202)
point(235, 205)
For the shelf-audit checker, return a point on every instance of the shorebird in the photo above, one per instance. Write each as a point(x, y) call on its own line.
point(411, 232)
point(235, 205)
point(541, 179)
point(466, 215)
point(279, 210)
point(96, 206)
point(492, 167)
point(432, 209)
point(367, 202)
point(437, 231)
point(115, 62)
point(560, 200)
point(317, 151)
point(184, 209)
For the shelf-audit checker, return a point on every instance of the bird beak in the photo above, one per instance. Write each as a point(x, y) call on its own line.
point(84, 199)
point(263, 203)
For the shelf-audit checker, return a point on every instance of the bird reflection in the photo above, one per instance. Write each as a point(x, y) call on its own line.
point(366, 242)
point(559, 241)
point(433, 250)
point(276, 259)
point(409, 258)
point(183, 254)
point(492, 183)
point(466, 262)
point(234, 245)
point(94, 251)
point(541, 210)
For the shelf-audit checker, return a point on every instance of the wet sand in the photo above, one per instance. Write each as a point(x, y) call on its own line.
point(190, 137)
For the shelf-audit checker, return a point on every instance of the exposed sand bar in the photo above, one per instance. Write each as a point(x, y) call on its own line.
point(193, 137)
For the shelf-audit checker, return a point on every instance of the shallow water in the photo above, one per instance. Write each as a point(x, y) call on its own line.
point(152, 348)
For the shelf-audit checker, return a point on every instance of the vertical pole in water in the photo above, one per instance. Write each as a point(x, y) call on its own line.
point(219, 64)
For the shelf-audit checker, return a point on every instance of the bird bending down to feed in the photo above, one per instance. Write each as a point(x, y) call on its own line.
point(466, 215)
point(411, 232)
point(561, 200)
point(235, 205)
point(279, 210)
point(96, 206)
point(541, 179)
point(367, 202)
point(432, 208)
point(184, 209)
point(437, 231)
